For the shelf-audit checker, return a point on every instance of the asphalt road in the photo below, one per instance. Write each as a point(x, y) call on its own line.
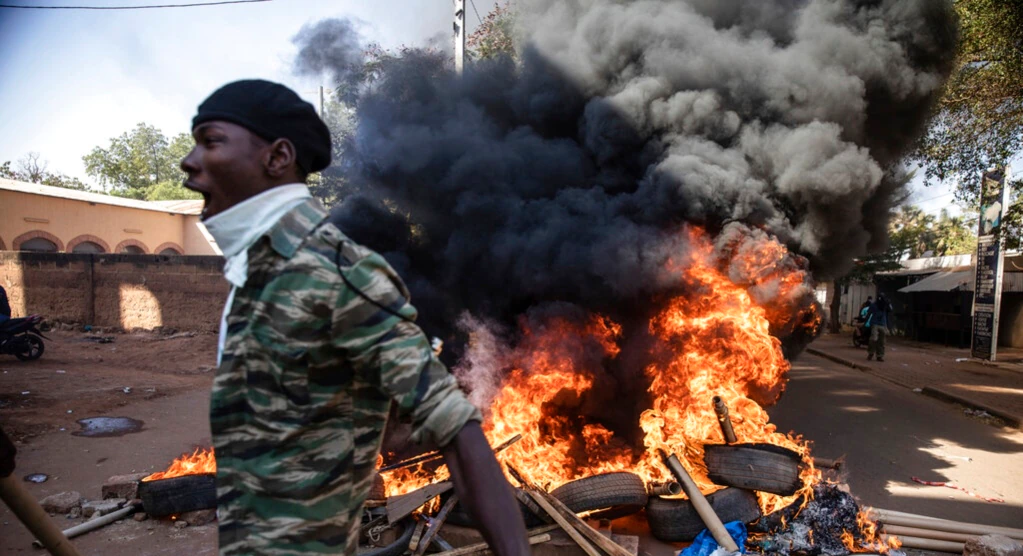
point(889, 434)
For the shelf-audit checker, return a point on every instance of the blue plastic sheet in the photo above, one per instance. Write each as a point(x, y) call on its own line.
point(704, 543)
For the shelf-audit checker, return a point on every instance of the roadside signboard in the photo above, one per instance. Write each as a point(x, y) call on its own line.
point(987, 294)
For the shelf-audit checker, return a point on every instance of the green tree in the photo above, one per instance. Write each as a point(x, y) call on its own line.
point(141, 163)
point(954, 235)
point(30, 169)
point(494, 36)
point(910, 232)
point(978, 122)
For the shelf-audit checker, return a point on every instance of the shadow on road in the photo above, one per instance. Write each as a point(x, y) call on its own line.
point(889, 434)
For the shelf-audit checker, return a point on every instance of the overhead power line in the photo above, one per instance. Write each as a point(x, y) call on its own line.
point(144, 7)
point(471, 2)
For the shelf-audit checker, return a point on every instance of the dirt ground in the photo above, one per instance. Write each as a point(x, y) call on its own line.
point(162, 381)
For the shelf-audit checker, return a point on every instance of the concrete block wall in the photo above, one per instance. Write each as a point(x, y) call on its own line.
point(117, 290)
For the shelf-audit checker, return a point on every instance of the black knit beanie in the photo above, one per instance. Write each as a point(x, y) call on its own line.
point(271, 111)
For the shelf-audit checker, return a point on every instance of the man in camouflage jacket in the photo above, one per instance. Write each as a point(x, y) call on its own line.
point(317, 342)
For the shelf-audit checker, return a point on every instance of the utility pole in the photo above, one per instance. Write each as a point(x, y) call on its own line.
point(459, 36)
point(321, 102)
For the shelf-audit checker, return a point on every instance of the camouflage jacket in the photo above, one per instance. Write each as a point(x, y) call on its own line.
point(309, 372)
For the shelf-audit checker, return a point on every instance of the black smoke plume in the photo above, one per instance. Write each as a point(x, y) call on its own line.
point(566, 177)
point(562, 183)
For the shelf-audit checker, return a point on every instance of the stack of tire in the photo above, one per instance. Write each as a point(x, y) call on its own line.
point(742, 469)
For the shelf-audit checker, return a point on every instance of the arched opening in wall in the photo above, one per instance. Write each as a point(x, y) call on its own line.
point(3, 247)
point(169, 248)
point(87, 243)
point(39, 245)
point(88, 247)
point(131, 247)
point(39, 241)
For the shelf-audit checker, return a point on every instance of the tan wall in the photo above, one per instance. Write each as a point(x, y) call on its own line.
point(126, 291)
point(68, 219)
point(196, 240)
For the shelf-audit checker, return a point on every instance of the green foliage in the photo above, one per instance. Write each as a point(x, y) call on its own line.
point(331, 185)
point(913, 234)
point(31, 170)
point(954, 235)
point(978, 122)
point(139, 161)
point(170, 191)
point(494, 36)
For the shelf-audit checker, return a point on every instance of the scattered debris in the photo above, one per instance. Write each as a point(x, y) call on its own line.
point(992, 545)
point(122, 486)
point(950, 484)
point(180, 524)
point(918, 390)
point(62, 502)
point(126, 389)
point(962, 359)
point(977, 413)
point(102, 507)
point(199, 518)
point(100, 339)
point(36, 478)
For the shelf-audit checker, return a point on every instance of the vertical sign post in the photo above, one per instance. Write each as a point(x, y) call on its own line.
point(987, 294)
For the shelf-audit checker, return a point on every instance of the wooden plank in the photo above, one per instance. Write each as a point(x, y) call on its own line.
point(399, 507)
point(435, 525)
point(565, 525)
point(413, 543)
point(482, 548)
point(605, 544)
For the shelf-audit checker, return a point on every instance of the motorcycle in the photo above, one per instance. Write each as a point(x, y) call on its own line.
point(21, 338)
point(861, 334)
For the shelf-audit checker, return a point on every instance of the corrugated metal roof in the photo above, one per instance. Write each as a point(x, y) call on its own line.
point(961, 279)
point(941, 282)
point(90, 197)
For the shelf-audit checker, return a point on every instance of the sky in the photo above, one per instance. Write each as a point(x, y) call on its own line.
point(71, 80)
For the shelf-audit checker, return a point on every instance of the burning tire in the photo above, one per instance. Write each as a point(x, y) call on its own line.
point(761, 467)
point(394, 540)
point(178, 495)
point(676, 520)
point(616, 494)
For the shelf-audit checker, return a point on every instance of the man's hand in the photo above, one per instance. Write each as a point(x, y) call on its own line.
point(481, 486)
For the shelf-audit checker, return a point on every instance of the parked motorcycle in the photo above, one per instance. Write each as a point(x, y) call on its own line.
point(21, 338)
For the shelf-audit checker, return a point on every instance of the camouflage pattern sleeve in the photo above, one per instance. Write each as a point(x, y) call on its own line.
point(395, 351)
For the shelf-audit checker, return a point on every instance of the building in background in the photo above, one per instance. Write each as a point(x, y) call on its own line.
point(41, 218)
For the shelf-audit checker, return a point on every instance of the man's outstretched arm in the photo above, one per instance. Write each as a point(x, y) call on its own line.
point(482, 487)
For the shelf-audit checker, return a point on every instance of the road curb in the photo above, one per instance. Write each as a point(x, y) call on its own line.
point(837, 359)
point(946, 396)
point(936, 393)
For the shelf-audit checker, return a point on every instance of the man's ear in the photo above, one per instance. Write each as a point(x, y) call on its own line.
point(280, 159)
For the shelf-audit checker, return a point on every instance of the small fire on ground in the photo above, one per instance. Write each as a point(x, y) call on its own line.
point(199, 462)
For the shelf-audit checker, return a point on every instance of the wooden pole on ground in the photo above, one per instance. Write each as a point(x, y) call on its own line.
point(710, 519)
point(890, 517)
point(35, 519)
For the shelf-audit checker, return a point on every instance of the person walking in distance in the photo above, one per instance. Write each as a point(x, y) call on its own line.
point(317, 342)
point(877, 319)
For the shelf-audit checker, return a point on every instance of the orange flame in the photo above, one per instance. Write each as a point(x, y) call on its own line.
point(872, 540)
point(200, 462)
point(720, 343)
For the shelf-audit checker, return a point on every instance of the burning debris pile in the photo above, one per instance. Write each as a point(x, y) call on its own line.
point(622, 224)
